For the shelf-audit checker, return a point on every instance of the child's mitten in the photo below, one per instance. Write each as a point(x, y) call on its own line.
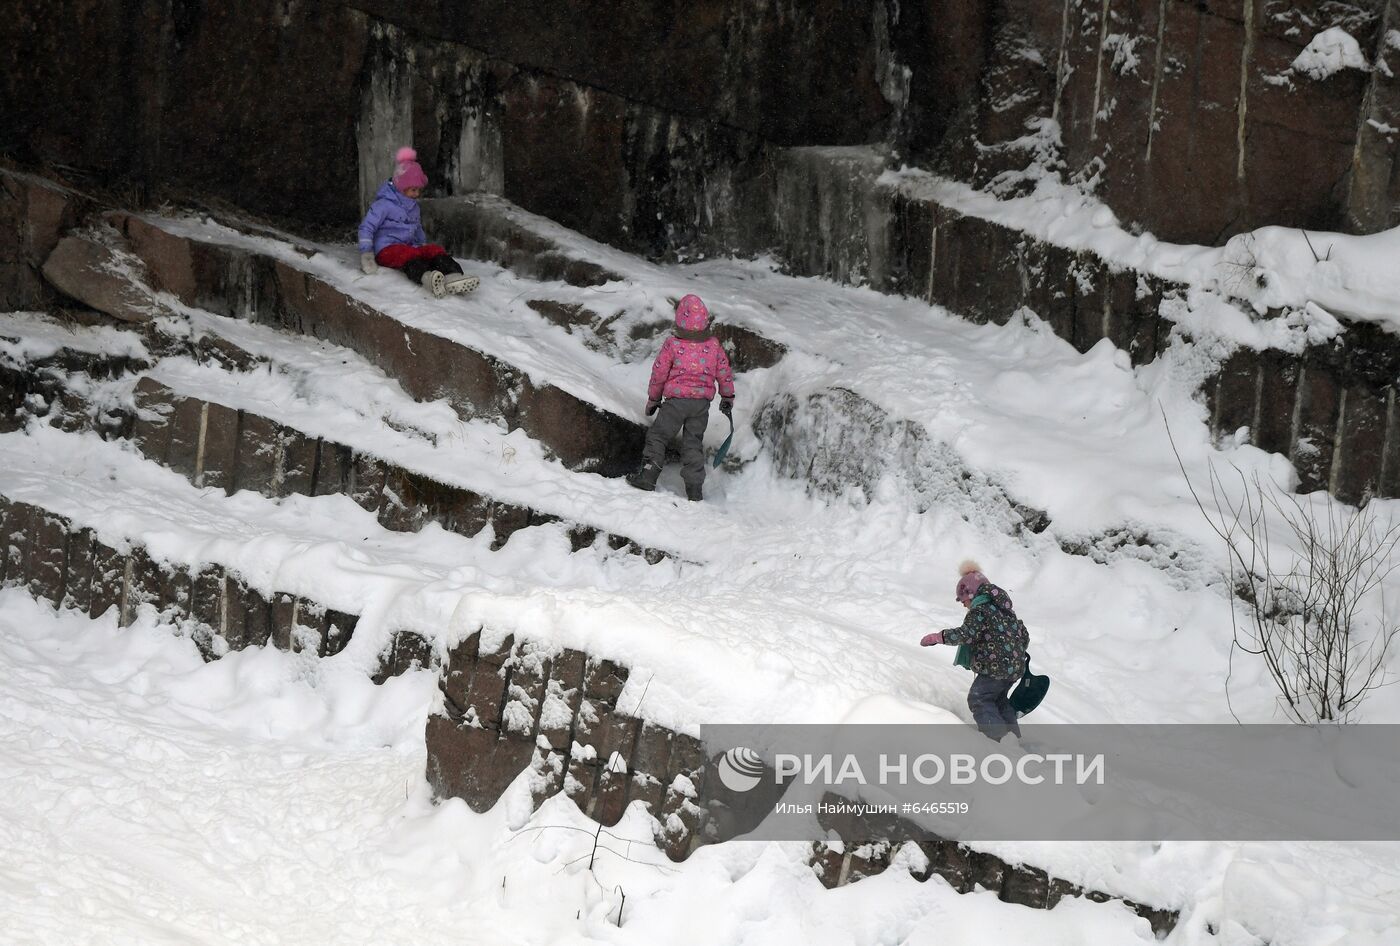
point(652, 406)
point(368, 265)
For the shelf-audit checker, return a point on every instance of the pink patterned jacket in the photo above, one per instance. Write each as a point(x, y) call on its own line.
point(691, 363)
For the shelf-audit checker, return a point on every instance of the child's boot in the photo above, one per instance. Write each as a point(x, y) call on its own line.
point(458, 283)
point(694, 492)
point(646, 477)
point(434, 283)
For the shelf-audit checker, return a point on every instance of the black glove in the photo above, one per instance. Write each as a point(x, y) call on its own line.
point(652, 406)
point(726, 406)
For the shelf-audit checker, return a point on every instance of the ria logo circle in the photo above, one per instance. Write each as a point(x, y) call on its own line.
point(740, 769)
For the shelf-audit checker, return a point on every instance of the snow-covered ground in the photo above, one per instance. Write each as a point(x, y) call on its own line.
point(272, 798)
point(151, 798)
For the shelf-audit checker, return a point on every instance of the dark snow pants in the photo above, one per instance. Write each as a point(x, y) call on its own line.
point(415, 268)
point(688, 416)
point(991, 708)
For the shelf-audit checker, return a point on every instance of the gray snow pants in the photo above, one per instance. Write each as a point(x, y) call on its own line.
point(991, 708)
point(688, 416)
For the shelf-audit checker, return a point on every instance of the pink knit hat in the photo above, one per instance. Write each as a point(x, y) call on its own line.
point(691, 314)
point(972, 579)
point(407, 172)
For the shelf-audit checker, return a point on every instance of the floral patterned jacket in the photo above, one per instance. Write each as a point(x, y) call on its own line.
point(994, 634)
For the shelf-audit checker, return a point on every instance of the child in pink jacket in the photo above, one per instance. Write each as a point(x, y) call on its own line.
point(687, 371)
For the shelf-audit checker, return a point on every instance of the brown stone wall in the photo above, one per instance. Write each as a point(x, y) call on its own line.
point(1373, 180)
point(250, 102)
point(629, 121)
point(562, 715)
point(1187, 116)
point(261, 104)
point(619, 169)
point(70, 567)
point(792, 72)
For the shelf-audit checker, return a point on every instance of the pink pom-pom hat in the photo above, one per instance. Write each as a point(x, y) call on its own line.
point(407, 172)
point(972, 579)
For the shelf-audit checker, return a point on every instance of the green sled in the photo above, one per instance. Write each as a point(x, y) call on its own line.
point(723, 450)
point(1030, 691)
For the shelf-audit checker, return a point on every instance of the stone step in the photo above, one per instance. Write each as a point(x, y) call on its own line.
point(511, 706)
point(214, 445)
point(830, 212)
point(41, 215)
point(71, 567)
point(487, 227)
point(830, 440)
point(41, 354)
point(34, 215)
point(228, 448)
point(1330, 409)
point(244, 282)
point(490, 228)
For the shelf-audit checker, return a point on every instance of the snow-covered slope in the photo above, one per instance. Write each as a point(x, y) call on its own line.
point(152, 798)
point(785, 606)
point(271, 798)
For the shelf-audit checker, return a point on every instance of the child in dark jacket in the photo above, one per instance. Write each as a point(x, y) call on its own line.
point(392, 233)
point(997, 640)
point(690, 366)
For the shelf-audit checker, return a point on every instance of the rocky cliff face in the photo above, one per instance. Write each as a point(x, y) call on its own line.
point(634, 121)
point(1192, 116)
point(269, 104)
point(251, 103)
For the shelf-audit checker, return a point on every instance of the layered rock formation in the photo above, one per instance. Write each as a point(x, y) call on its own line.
point(634, 121)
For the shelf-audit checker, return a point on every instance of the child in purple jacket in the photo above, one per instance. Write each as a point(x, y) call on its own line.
point(691, 364)
point(392, 233)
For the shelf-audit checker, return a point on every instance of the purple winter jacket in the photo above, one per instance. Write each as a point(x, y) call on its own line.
point(392, 218)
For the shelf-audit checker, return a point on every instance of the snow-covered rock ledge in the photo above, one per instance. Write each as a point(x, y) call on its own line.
point(508, 706)
point(569, 723)
point(1309, 322)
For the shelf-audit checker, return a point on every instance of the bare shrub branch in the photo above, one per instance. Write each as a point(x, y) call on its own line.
point(1306, 616)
